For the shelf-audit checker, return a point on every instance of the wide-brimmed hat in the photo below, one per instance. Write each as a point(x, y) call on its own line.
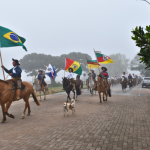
point(40, 71)
point(91, 70)
point(124, 72)
point(105, 68)
point(71, 69)
point(15, 60)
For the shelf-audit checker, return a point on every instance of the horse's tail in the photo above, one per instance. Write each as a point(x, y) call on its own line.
point(35, 98)
point(78, 91)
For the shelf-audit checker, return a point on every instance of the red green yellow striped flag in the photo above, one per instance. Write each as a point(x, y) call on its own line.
point(102, 58)
point(93, 64)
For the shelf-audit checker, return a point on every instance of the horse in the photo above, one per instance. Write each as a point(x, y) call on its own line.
point(8, 95)
point(80, 83)
point(87, 83)
point(37, 87)
point(112, 82)
point(91, 84)
point(102, 88)
point(69, 87)
point(123, 82)
point(130, 83)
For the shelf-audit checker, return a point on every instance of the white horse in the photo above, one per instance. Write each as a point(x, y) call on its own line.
point(91, 84)
point(37, 87)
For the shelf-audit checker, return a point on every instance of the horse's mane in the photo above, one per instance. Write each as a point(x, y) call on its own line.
point(4, 81)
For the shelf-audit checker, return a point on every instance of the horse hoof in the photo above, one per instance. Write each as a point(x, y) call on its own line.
point(2, 121)
point(22, 117)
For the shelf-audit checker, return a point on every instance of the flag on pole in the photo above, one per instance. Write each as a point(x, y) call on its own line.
point(9, 38)
point(74, 65)
point(50, 71)
point(93, 64)
point(102, 58)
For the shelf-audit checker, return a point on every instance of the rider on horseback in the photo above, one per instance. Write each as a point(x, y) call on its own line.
point(94, 76)
point(125, 77)
point(104, 73)
point(78, 77)
point(129, 77)
point(15, 73)
point(41, 78)
point(70, 77)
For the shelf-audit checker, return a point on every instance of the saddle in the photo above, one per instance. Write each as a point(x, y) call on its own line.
point(14, 85)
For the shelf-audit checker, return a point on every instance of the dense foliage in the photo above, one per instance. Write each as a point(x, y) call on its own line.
point(142, 40)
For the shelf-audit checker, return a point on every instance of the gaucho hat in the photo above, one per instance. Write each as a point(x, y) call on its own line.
point(71, 69)
point(40, 71)
point(105, 68)
point(16, 61)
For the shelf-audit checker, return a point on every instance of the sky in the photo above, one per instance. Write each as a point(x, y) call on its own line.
point(62, 26)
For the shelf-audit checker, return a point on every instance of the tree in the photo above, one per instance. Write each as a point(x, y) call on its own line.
point(135, 65)
point(142, 40)
point(31, 63)
point(119, 66)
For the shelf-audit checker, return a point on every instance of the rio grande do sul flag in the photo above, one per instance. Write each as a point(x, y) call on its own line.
point(9, 38)
point(93, 64)
point(103, 59)
point(74, 65)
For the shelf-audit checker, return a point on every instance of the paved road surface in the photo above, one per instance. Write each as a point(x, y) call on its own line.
point(123, 123)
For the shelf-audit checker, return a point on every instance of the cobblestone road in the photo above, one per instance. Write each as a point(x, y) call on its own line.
point(123, 123)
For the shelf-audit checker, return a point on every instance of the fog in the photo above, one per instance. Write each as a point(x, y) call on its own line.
point(60, 27)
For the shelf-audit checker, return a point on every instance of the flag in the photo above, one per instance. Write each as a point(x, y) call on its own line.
point(103, 59)
point(50, 71)
point(93, 64)
point(9, 38)
point(74, 65)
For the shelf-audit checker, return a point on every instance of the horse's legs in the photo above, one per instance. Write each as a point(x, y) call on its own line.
point(100, 97)
point(103, 97)
point(26, 99)
point(44, 91)
point(4, 115)
point(6, 110)
point(74, 94)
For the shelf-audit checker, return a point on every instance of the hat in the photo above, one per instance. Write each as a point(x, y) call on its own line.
point(40, 71)
point(91, 70)
point(71, 69)
point(16, 61)
point(124, 72)
point(105, 68)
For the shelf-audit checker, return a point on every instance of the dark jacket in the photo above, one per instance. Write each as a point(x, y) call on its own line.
point(129, 77)
point(78, 77)
point(103, 74)
point(40, 77)
point(17, 69)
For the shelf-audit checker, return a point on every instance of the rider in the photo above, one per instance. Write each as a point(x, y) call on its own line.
point(41, 78)
point(129, 77)
point(15, 73)
point(78, 77)
point(94, 77)
point(124, 75)
point(70, 77)
point(104, 73)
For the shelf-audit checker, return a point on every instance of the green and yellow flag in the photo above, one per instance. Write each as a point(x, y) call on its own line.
point(9, 38)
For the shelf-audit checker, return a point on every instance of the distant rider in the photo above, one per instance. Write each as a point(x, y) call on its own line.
point(70, 77)
point(41, 78)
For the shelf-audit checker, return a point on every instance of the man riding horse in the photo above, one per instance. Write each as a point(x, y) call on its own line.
point(15, 73)
point(41, 78)
point(104, 73)
point(125, 78)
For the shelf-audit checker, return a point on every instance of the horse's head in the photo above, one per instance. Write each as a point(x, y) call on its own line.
point(99, 78)
point(65, 82)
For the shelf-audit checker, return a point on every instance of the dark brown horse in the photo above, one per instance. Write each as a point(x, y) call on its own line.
point(8, 95)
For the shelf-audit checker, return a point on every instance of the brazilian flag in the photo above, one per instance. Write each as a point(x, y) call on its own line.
point(9, 38)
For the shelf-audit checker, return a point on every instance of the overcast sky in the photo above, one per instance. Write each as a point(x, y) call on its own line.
point(62, 26)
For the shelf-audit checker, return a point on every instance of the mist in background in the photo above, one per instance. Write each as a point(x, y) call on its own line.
point(60, 27)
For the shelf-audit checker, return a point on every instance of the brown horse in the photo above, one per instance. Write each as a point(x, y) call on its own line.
point(8, 95)
point(101, 88)
point(80, 83)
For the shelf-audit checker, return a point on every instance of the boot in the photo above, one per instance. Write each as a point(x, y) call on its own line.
point(18, 94)
point(74, 86)
point(42, 87)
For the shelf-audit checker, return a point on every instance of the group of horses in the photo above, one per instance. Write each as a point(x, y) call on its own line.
point(131, 82)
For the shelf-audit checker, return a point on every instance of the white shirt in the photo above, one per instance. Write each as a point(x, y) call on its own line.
point(70, 75)
point(133, 76)
point(14, 71)
point(87, 77)
point(123, 75)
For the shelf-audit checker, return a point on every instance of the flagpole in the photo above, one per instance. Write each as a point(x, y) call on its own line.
point(87, 65)
point(96, 59)
point(65, 65)
point(2, 62)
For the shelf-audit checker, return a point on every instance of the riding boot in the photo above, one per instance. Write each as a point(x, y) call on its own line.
point(18, 94)
point(42, 87)
point(74, 86)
